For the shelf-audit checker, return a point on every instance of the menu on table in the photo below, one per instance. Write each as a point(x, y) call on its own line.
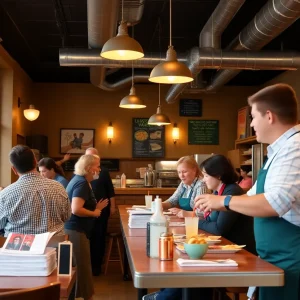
point(147, 140)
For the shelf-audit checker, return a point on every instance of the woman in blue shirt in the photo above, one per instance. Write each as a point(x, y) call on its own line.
point(49, 169)
point(85, 210)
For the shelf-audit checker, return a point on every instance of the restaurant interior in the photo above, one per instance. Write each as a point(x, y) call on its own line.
point(52, 57)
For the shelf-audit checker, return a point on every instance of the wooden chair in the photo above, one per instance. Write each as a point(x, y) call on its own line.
point(46, 292)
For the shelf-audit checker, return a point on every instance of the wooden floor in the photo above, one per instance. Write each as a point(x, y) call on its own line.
point(112, 286)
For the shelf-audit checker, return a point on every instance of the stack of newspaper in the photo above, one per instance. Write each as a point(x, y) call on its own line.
point(138, 218)
point(27, 255)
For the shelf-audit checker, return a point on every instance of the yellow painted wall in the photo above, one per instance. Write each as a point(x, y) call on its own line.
point(85, 106)
point(14, 83)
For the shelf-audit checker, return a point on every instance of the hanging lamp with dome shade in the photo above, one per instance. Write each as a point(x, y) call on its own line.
point(159, 118)
point(171, 71)
point(122, 46)
point(132, 101)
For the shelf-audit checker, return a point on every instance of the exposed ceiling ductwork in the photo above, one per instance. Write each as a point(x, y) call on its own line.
point(102, 26)
point(272, 19)
point(210, 37)
point(206, 59)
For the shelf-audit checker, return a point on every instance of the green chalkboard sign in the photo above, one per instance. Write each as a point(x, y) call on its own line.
point(203, 132)
point(147, 140)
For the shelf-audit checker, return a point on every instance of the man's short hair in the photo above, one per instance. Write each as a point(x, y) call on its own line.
point(22, 159)
point(280, 99)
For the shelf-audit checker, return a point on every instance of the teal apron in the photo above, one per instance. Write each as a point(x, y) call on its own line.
point(184, 203)
point(278, 242)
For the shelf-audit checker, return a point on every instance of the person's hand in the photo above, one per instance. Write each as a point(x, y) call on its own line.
point(97, 212)
point(180, 214)
point(209, 202)
point(102, 203)
point(174, 210)
point(66, 157)
point(112, 210)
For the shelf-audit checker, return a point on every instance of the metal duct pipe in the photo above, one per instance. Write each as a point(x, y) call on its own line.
point(210, 37)
point(198, 58)
point(122, 83)
point(273, 18)
point(71, 57)
point(133, 11)
point(101, 27)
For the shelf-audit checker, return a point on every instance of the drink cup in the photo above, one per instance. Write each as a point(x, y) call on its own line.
point(191, 226)
point(148, 201)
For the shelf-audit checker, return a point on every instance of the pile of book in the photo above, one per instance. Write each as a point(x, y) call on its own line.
point(138, 218)
point(20, 264)
point(27, 255)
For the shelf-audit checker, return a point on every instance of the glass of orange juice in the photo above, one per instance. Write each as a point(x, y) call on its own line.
point(191, 226)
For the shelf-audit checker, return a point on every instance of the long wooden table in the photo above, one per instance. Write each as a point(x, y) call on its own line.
point(153, 273)
point(9, 283)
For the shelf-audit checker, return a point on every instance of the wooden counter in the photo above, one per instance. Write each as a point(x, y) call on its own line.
point(144, 191)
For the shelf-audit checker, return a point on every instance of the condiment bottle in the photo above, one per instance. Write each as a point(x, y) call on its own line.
point(158, 225)
point(123, 181)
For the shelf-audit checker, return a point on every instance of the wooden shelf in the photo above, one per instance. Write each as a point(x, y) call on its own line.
point(248, 140)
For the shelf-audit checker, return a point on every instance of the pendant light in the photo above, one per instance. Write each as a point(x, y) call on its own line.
point(159, 118)
point(132, 101)
point(171, 71)
point(122, 46)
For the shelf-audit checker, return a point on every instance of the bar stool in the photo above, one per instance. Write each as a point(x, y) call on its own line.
point(113, 236)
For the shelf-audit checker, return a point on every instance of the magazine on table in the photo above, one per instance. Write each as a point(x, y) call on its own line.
point(26, 243)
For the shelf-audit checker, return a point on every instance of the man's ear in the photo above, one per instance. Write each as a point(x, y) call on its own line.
point(271, 117)
point(15, 171)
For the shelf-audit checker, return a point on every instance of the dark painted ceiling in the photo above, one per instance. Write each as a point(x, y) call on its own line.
point(33, 31)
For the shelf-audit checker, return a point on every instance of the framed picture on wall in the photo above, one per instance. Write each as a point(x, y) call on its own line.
point(76, 140)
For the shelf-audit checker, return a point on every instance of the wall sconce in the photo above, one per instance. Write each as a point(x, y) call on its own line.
point(175, 133)
point(31, 113)
point(110, 132)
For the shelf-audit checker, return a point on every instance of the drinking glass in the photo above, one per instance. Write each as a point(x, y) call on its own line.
point(191, 226)
point(148, 201)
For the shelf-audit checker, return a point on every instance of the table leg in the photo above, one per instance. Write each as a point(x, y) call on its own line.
point(126, 275)
point(141, 293)
point(186, 294)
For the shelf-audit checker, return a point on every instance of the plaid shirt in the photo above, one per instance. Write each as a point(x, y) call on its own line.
point(282, 185)
point(33, 205)
point(198, 186)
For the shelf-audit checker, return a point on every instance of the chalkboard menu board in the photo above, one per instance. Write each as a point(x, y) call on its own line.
point(203, 132)
point(190, 107)
point(147, 140)
point(110, 164)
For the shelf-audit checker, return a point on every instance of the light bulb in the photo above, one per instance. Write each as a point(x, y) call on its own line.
point(121, 52)
point(171, 78)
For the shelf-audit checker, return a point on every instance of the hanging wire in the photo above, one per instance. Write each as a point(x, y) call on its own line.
point(170, 22)
point(132, 61)
point(122, 9)
point(159, 94)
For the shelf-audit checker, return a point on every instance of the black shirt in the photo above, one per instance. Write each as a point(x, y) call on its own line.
point(103, 187)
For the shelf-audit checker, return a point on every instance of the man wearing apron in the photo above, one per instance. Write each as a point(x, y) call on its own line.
point(274, 200)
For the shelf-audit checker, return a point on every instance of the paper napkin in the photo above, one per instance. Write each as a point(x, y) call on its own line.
point(206, 263)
